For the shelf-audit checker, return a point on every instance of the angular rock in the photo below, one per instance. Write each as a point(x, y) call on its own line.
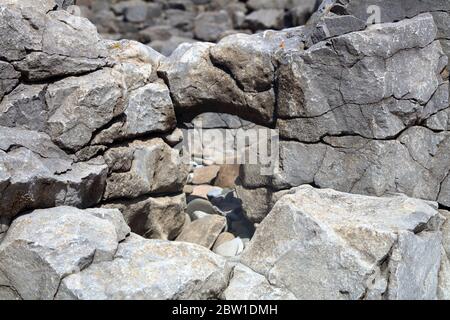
point(205, 175)
point(211, 86)
point(148, 110)
point(350, 85)
point(9, 78)
point(249, 58)
point(151, 167)
point(256, 203)
point(81, 105)
point(154, 218)
point(357, 165)
point(349, 246)
point(44, 247)
point(150, 269)
point(35, 173)
point(246, 284)
point(204, 231)
point(62, 45)
point(25, 108)
point(227, 176)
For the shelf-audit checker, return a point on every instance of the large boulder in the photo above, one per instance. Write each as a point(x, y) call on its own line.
point(42, 248)
point(324, 244)
point(245, 284)
point(35, 173)
point(351, 85)
point(150, 269)
point(43, 46)
point(144, 168)
point(210, 87)
point(358, 165)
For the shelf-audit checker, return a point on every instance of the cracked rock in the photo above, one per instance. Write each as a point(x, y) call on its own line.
point(35, 173)
point(45, 246)
point(210, 86)
point(144, 167)
point(150, 269)
point(323, 244)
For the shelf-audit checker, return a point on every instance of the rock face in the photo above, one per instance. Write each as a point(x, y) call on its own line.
point(45, 246)
point(323, 244)
point(138, 270)
point(100, 199)
point(35, 173)
point(67, 253)
point(210, 85)
point(350, 109)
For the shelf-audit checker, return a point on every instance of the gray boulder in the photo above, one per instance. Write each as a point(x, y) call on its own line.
point(357, 165)
point(150, 269)
point(25, 108)
point(35, 173)
point(351, 84)
point(9, 78)
point(323, 244)
point(42, 248)
point(143, 168)
point(53, 45)
point(210, 86)
point(246, 284)
point(154, 218)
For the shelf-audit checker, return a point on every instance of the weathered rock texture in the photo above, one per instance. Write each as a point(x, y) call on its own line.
point(91, 160)
point(323, 244)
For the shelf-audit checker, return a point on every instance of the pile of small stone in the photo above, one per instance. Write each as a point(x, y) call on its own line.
point(164, 24)
point(214, 214)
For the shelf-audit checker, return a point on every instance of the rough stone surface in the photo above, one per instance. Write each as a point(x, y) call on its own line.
point(144, 167)
point(246, 284)
point(88, 121)
point(211, 86)
point(322, 244)
point(203, 231)
point(35, 173)
point(150, 269)
point(205, 175)
point(154, 218)
point(42, 248)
